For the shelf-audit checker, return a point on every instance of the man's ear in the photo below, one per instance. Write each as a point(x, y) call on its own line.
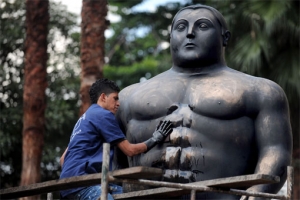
point(226, 37)
point(102, 98)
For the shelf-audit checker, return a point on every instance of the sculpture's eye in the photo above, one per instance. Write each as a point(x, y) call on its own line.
point(203, 26)
point(180, 27)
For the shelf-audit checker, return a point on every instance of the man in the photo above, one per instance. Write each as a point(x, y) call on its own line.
point(96, 126)
point(227, 123)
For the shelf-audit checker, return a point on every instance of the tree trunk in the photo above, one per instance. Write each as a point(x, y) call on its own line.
point(93, 25)
point(35, 83)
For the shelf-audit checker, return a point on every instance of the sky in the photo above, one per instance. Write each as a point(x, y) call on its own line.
point(147, 5)
point(150, 5)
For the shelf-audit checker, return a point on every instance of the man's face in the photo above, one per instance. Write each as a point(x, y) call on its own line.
point(111, 102)
point(196, 38)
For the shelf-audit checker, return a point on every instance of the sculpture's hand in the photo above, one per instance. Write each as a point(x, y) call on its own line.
point(163, 129)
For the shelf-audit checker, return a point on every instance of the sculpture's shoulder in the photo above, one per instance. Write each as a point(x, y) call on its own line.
point(270, 95)
point(261, 90)
point(124, 93)
point(251, 81)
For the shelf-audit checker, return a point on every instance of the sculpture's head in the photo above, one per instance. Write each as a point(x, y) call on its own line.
point(198, 35)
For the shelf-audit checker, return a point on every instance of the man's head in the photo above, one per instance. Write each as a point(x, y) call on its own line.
point(104, 92)
point(198, 35)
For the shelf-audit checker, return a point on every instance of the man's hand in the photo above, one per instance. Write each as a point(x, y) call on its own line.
point(162, 131)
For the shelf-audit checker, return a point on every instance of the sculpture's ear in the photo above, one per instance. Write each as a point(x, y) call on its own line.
point(226, 37)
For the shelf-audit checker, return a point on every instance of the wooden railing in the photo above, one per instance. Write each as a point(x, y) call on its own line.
point(139, 175)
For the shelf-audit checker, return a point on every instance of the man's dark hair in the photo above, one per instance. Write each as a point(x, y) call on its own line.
point(102, 86)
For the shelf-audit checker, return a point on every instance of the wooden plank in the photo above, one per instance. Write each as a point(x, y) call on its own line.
point(77, 181)
point(161, 193)
point(138, 173)
point(135, 172)
point(50, 186)
point(225, 183)
point(240, 181)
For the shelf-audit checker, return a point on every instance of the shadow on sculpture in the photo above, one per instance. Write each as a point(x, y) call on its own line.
point(227, 123)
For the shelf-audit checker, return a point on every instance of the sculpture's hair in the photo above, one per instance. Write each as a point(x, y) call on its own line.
point(215, 12)
point(102, 86)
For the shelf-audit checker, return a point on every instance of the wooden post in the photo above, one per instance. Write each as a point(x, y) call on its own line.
point(193, 194)
point(49, 196)
point(290, 182)
point(105, 169)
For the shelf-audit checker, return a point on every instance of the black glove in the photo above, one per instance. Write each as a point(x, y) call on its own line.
point(162, 131)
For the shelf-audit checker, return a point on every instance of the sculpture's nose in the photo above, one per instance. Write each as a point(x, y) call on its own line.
point(190, 34)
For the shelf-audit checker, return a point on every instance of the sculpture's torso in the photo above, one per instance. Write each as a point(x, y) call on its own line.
point(214, 132)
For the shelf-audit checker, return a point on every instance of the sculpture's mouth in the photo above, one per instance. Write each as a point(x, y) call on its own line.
point(190, 45)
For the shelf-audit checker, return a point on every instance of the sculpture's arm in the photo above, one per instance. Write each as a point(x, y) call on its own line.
point(273, 137)
point(123, 113)
point(120, 159)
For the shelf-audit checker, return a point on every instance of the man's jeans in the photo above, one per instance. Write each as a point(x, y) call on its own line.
point(94, 192)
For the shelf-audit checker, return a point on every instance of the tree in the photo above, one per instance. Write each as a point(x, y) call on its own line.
point(35, 83)
point(127, 46)
point(92, 46)
point(62, 91)
point(11, 76)
point(134, 57)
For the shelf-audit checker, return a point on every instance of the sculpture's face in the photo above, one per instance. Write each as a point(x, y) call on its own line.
point(196, 38)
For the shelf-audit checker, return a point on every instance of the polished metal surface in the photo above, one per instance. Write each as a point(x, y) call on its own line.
point(226, 123)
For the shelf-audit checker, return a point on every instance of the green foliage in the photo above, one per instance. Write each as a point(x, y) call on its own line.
point(127, 75)
point(12, 30)
point(11, 64)
point(124, 4)
point(139, 34)
point(62, 92)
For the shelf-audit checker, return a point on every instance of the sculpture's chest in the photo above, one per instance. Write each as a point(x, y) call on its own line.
point(218, 98)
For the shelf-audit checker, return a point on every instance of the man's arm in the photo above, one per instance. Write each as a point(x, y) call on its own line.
point(272, 136)
point(132, 149)
point(62, 158)
point(162, 131)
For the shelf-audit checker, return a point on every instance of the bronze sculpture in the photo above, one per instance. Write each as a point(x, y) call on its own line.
point(227, 123)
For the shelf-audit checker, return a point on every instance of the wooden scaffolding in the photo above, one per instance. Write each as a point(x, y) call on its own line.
point(139, 175)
